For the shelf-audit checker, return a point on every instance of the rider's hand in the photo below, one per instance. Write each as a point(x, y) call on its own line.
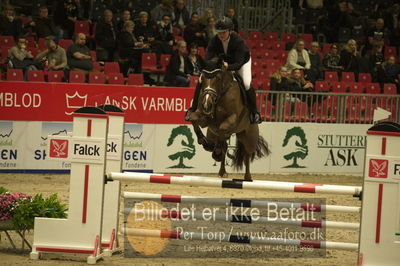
point(225, 64)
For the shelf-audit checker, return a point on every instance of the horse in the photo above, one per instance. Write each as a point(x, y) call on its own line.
point(222, 109)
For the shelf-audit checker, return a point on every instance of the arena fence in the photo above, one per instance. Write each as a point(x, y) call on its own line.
point(322, 107)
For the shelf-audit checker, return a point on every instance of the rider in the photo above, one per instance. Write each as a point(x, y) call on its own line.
point(236, 57)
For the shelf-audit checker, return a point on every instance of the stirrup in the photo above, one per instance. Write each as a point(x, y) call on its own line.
point(255, 118)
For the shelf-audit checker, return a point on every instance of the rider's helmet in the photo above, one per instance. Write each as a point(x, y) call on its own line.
point(223, 24)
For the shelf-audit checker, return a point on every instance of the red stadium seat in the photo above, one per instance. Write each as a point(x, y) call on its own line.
point(288, 37)
point(55, 76)
point(30, 41)
point(82, 27)
point(77, 77)
point(6, 41)
point(116, 78)
point(331, 76)
point(307, 38)
point(262, 45)
point(136, 79)
point(255, 35)
point(321, 86)
point(326, 47)
point(390, 50)
point(356, 87)
point(348, 77)
point(111, 67)
point(36, 76)
point(64, 43)
point(193, 81)
point(96, 78)
point(252, 44)
point(277, 45)
point(389, 88)
point(243, 34)
point(149, 62)
point(338, 87)
point(372, 88)
point(364, 77)
point(15, 75)
point(271, 36)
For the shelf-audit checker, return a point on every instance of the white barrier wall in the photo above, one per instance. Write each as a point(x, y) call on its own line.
point(296, 147)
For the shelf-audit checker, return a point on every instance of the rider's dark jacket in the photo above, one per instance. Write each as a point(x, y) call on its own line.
point(237, 53)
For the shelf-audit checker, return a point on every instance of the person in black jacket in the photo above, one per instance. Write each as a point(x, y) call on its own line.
point(106, 37)
point(179, 68)
point(44, 26)
point(236, 55)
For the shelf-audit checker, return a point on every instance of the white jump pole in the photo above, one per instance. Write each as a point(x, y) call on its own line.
point(86, 149)
point(311, 207)
point(380, 217)
point(239, 239)
point(234, 218)
point(112, 191)
point(234, 183)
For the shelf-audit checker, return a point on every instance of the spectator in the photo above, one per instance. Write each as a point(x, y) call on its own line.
point(130, 47)
point(338, 17)
point(9, 25)
point(376, 35)
point(21, 58)
point(144, 29)
point(375, 59)
point(388, 72)
point(54, 56)
point(331, 59)
point(230, 13)
point(298, 57)
point(350, 57)
point(279, 82)
point(194, 32)
point(315, 71)
point(44, 26)
point(196, 61)
point(165, 8)
point(78, 55)
point(181, 15)
point(65, 15)
point(125, 16)
point(178, 70)
point(165, 38)
point(208, 13)
point(297, 83)
point(210, 30)
point(106, 37)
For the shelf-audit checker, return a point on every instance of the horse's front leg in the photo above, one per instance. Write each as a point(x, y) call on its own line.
point(222, 171)
point(207, 144)
point(247, 175)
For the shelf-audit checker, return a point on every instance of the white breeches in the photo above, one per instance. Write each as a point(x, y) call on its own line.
point(245, 73)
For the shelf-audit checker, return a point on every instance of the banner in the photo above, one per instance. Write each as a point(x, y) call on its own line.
point(36, 101)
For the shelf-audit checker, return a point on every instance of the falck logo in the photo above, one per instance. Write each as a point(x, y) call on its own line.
point(58, 148)
point(378, 168)
point(75, 101)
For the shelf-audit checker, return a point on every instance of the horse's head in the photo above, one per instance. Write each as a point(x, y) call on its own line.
point(215, 79)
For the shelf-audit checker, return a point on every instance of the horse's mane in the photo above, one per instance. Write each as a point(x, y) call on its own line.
point(212, 67)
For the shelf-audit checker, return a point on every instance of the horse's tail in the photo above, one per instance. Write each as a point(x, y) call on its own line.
point(262, 150)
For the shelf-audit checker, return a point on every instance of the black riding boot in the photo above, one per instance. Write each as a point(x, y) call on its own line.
point(252, 105)
point(194, 103)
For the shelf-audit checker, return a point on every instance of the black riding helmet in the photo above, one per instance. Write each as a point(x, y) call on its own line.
point(224, 24)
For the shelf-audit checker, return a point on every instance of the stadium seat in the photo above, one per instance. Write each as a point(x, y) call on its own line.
point(277, 45)
point(272, 65)
point(307, 38)
point(267, 54)
point(149, 62)
point(6, 41)
point(193, 81)
point(271, 36)
point(77, 77)
point(82, 27)
point(35, 76)
point(281, 56)
point(243, 34)
point(116, 78)
point(321, 86)
point(64, 43)
point(30, 41)
point(389, 88)
point(356, 87)
point(55, 76)
point(255, 35)
point(372, 88)
point(348, 77)
point(338, 87)
point(262, 45)
point(15, 74)
point(136, 79)
point(111, 67)
point(326, 47)
point(390, 50)
point(331, 76)
point(96, 78)
point(288, 37)
point(364, 77)
point(252, 44)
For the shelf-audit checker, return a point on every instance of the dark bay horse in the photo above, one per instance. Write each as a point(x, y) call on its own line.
point(223, 111)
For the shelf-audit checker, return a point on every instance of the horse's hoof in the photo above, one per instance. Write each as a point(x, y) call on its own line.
point(247, 177)
point(223, 175)
point(218, 157)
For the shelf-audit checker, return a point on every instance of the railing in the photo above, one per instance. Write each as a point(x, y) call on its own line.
point(325, 107)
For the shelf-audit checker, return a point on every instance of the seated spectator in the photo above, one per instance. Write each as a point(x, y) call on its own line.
point(298, 57)
point(208, 13)
point(106, 37)
point(375, 59)
point(78, 55)
point(279, 80)
point(331, 59)
point(125, 16)
point(197, 62)
point(165, 8)
point(178, 70)
point(181, 15)
point(144, 30)
point(9, 25)
point(65, 15)
point(194, 32)
point(388, 72)
point(44, 26)
point(315, 71)
point(376, 35)
point(164, 38)
point(130, 48)
point(54, 56)
point(350, 57)
point(297, 83)
point(230, 13)
point(210, 29)
point(21, 58)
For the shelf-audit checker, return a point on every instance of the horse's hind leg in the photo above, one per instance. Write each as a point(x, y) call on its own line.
point(247, 175)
